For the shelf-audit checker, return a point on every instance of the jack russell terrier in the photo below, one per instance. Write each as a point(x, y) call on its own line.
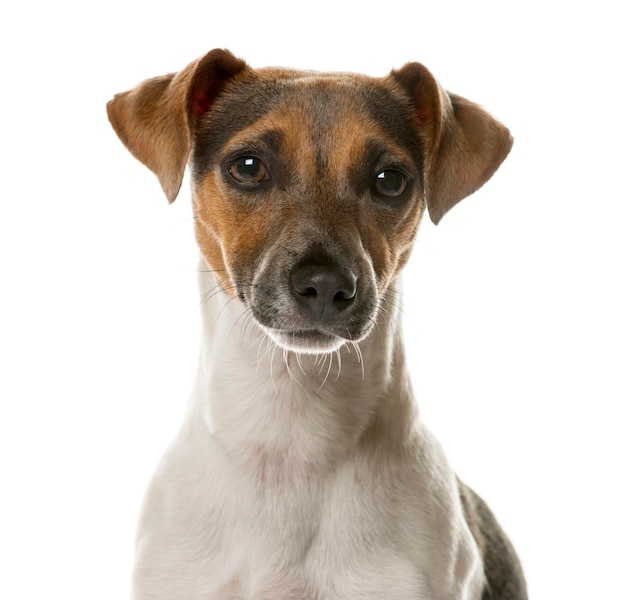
point(303, 469)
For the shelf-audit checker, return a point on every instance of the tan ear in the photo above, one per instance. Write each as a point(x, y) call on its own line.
point(464, 145)
point(156, 120)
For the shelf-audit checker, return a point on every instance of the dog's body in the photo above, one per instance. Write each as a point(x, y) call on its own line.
point(303, 469)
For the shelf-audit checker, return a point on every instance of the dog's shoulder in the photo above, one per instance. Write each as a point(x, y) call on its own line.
point(503, 571)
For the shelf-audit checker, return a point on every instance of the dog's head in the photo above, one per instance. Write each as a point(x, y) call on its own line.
point(308, 188)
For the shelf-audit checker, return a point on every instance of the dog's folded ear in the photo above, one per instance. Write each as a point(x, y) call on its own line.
point(464, 145)
point(155, 120)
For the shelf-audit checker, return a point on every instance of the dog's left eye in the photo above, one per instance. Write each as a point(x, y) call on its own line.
point(248, 169)
point(390, 183)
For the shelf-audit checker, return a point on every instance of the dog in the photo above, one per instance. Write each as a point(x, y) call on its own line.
point(303, 469)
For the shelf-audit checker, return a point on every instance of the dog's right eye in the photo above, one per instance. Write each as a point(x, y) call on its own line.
point(248, 169)
point(390, 183)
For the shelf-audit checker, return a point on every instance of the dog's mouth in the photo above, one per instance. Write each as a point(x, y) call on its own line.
point(297, 329)
point(314, 304)
point(306, 341)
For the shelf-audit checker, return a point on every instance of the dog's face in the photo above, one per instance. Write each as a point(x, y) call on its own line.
point(308, 188)
point(307, 201)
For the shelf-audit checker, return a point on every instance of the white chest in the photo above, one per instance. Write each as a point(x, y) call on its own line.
point(365, 531)
point(330, 541)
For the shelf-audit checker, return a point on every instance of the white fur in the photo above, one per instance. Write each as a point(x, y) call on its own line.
point(302, 477)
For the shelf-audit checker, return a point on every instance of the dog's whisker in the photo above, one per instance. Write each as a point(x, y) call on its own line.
point(249, 328)
point(244, 317)
point(272, 353)
point(375, 324)
point(209, 270)
point(286, 355)
point(269, 346)
point(321, 362)
point(259, 343)
point(338, 353)
point(299, 360)
point(330, 365)
point(214, 291)
point(205, 300)
point(394, 304)
point(317, 358)
point(359, 355)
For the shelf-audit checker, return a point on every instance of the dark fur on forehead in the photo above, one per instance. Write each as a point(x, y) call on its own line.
point(248, 99)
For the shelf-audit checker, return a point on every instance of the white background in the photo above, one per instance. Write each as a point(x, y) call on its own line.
point(514, 305)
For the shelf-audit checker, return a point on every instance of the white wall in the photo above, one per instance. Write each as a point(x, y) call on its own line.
point(514, 304)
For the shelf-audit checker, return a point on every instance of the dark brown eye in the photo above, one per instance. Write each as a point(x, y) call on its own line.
point(390, 183)
point(248, 169)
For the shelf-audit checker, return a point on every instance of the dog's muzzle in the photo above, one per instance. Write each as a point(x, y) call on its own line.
point(315, 304)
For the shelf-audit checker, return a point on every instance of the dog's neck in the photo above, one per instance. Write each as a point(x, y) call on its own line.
point(261, 402)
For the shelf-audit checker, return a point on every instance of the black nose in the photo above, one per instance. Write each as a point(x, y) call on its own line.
point(323, 291)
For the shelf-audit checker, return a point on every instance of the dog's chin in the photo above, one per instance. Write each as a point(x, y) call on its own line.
point(306, 342)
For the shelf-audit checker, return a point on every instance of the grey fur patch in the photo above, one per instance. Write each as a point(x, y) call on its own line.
point(505, 578)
